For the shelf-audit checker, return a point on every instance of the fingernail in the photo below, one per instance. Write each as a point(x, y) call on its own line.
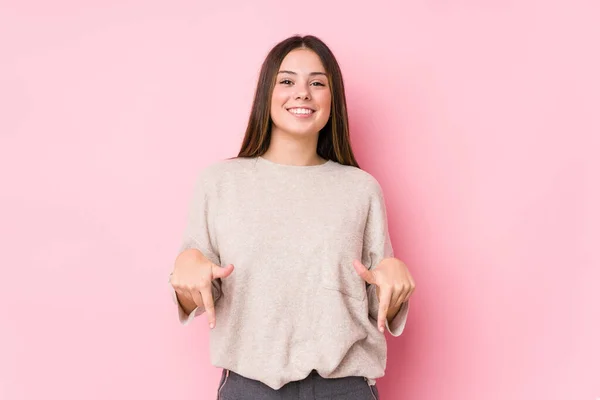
point(381, 329)
point(212, 325)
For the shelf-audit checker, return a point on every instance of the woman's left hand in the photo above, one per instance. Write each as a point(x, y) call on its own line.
point(394, 286)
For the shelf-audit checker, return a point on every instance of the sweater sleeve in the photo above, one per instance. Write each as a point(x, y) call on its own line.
point(199, 234)
point(377, 246)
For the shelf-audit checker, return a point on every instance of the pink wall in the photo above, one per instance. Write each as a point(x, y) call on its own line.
point(480, 120)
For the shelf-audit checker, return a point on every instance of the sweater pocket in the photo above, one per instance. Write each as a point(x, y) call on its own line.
point(344, 279)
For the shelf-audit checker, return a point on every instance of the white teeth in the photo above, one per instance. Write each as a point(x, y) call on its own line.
point(300, 111)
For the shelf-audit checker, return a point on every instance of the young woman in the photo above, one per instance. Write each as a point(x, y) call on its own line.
point(302, 313)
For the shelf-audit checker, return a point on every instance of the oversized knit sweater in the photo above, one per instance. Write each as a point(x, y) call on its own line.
point(294, 301)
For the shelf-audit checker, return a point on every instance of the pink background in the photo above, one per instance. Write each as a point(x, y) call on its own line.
point(479, 118)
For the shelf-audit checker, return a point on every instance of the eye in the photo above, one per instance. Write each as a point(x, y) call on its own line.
point(285, 82)
point(318, 83)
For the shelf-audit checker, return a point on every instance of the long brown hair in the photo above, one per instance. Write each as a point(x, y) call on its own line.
point(334, 138)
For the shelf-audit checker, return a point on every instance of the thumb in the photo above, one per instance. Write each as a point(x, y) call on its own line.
point(220, 272)
point(364, 272)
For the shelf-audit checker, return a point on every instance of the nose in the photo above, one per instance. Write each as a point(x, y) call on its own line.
point(302, 93)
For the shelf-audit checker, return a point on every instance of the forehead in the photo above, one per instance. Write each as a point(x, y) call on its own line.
point(302, 61)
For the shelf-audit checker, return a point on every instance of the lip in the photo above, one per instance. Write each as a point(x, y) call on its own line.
point(289, 108)
point(301, 115)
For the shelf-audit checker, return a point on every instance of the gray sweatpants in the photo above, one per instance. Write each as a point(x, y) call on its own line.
point(314, 387)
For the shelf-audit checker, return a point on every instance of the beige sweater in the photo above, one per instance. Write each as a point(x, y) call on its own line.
point(294, 302)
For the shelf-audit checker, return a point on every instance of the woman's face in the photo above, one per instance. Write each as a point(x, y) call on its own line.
point(301, 101)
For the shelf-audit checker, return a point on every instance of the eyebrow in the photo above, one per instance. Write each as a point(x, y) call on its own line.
point(294, 73)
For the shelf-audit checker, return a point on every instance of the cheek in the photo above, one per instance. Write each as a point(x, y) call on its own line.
point(278, 98)
point(277, 101)
point(324, 101)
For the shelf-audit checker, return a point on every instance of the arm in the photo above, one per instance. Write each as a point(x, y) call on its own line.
point(198, 243)
point(377, 246)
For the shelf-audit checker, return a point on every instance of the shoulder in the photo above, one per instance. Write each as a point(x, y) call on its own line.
point(220, 170)
point(359, 179)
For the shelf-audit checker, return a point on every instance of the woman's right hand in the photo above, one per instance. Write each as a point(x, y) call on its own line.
point(192, 280)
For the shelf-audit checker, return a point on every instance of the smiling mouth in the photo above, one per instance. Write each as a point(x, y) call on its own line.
point(301, 111)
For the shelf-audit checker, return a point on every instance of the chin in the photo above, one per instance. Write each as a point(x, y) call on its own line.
point(295, 130)
point(303, 132)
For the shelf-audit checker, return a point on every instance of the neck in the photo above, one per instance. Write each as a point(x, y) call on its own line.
point(293, 150)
